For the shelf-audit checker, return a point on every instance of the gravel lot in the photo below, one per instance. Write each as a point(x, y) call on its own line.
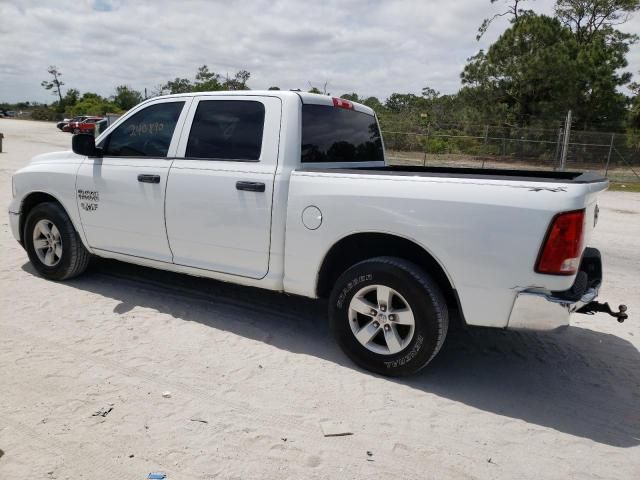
point(251, 375)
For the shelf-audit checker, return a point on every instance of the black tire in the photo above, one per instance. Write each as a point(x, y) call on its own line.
point(76, 131)
point(74, 258)
point(422, 295)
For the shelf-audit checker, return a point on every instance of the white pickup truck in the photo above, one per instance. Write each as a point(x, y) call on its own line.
point(289, 191)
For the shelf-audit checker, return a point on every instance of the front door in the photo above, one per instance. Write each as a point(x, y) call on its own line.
point(121, 195)
point(219, 194)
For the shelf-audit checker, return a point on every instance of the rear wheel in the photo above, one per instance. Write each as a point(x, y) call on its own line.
point(388, 316)
point(52, 243)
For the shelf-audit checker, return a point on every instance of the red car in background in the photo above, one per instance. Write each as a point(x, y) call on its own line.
point(87, 125)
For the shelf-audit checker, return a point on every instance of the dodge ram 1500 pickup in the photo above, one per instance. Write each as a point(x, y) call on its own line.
point(290, 191)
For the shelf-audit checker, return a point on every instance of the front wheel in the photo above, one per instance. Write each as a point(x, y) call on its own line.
point(388, 316)
point(52, 243)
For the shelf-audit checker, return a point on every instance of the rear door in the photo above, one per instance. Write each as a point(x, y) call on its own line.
point(220, 188)
point(121, 195)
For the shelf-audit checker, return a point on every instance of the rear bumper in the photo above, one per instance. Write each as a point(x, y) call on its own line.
point(544, 312)
point(536, 309)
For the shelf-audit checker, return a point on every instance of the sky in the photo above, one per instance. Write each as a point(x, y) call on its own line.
point(372, 47)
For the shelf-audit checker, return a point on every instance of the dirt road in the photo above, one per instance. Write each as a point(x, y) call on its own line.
point(248, 376)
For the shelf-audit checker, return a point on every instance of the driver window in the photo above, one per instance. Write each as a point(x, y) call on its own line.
point(147, 133)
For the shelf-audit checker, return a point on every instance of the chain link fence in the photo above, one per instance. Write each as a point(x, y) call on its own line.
point(487, 146)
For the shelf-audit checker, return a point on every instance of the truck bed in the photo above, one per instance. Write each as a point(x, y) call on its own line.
point(544, 176)
point(484, 226)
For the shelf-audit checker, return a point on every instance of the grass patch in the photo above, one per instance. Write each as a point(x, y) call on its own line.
point(624, 187)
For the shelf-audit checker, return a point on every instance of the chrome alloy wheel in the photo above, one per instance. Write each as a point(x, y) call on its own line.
point(47, 243)
point(381, 319)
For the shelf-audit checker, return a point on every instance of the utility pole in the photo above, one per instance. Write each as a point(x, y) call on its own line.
point(565, 143)
point(606, 169)
point(486, 139)
point(558, 152)
point(426, 146)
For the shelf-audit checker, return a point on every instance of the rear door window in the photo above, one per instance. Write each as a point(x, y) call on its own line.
point(226, 130)
point(331, 134)
point(147, 133)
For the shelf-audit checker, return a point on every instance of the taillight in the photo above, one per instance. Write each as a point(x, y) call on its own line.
point(342, 103)
point(562, 248)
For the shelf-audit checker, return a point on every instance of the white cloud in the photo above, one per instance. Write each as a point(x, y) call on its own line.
point(368, 46)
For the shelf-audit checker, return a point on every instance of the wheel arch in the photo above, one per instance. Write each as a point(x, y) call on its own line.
point(357, 247)
point(32, 199)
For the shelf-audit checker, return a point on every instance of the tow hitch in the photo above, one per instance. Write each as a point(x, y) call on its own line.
point(594, 307)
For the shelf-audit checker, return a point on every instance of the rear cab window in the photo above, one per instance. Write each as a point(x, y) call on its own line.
point(339, 135)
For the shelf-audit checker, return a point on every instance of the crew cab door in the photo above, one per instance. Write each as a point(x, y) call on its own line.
point(121, 195)
point(220, 188)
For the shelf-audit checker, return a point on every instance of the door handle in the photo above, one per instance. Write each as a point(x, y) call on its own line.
point(250, 186)
point(146, 178)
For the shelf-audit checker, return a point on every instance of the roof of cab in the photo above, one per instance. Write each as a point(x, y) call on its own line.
point(305, 97)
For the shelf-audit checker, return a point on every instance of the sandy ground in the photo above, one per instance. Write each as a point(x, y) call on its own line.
point(252, 374)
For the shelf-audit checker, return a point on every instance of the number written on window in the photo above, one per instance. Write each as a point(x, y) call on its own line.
point(145, 128)
point(147, 133)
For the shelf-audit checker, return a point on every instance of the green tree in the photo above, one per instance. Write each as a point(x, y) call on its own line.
point(540, 68)
point(602, 51)
point(430, 93)
point(71, 97)
point(126, 98)
point(274, 88)
point(529, 69)
point(513, 10)
point(634, 111)
point(374, 103)
point(586, 18)
point(56, 83)
point(93, 104)
point(206, 80)
point(238, 82)
point(351, 96)
point(633, 118)
point(178, 85)
point(401, 102)
point(314, 89)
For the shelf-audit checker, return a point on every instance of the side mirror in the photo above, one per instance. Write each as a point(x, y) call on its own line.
point(85, 144)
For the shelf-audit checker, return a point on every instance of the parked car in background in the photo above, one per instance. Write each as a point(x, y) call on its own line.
point(87, 125)
point(102, 125)
point(67, 126)
point(60, 125)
